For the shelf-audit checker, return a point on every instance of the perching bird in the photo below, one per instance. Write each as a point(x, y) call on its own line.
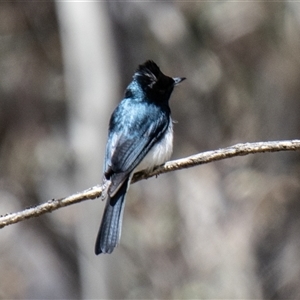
point(140, 135)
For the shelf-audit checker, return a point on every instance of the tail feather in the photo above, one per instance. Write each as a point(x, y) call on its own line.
point(111, 226)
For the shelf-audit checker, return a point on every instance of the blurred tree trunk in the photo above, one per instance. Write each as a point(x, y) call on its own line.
point(90, 74)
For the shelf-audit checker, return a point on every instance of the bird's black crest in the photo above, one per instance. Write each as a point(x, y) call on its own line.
point(149, 70)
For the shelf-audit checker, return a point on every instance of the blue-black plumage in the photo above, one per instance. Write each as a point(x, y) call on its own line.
point(140, 137)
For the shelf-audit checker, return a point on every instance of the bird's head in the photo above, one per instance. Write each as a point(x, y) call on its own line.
point(154, 83)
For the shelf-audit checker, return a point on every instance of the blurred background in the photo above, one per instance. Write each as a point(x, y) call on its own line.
point(228, 229)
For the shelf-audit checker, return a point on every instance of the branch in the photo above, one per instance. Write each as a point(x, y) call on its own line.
point(191, 161)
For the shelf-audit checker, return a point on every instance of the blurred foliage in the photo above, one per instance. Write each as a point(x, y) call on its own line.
point(225, 230)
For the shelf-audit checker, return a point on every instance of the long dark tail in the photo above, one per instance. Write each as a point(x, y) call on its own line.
point(111, 226)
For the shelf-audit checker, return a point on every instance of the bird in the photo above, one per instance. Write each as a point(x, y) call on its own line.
point(140, 136)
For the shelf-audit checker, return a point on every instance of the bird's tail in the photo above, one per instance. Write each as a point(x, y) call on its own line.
point(111, 226)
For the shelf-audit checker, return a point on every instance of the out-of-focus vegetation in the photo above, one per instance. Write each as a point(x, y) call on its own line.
point(224, 230)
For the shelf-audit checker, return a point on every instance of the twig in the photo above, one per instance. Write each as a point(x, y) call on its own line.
point(191, 161)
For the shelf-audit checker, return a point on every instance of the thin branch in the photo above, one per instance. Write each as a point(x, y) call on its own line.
point(188, 162)
point(215, 155)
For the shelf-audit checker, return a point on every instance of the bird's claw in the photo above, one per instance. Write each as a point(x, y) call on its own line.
point(105, 186)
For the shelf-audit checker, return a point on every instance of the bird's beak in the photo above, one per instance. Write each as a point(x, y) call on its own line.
point(177, 80)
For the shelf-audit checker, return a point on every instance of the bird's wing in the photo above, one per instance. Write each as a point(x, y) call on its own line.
point(127, 147)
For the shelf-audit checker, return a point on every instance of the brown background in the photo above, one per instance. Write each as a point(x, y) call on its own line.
point(224, 230)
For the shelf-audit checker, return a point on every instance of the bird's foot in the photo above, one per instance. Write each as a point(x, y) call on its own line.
point(105, 186)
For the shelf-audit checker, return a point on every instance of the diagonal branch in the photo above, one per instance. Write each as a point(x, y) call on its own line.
point(188, 162)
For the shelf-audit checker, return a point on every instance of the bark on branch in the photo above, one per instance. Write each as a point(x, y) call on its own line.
point(191, 161)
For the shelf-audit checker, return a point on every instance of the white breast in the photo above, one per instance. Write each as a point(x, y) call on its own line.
point(160, 152)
